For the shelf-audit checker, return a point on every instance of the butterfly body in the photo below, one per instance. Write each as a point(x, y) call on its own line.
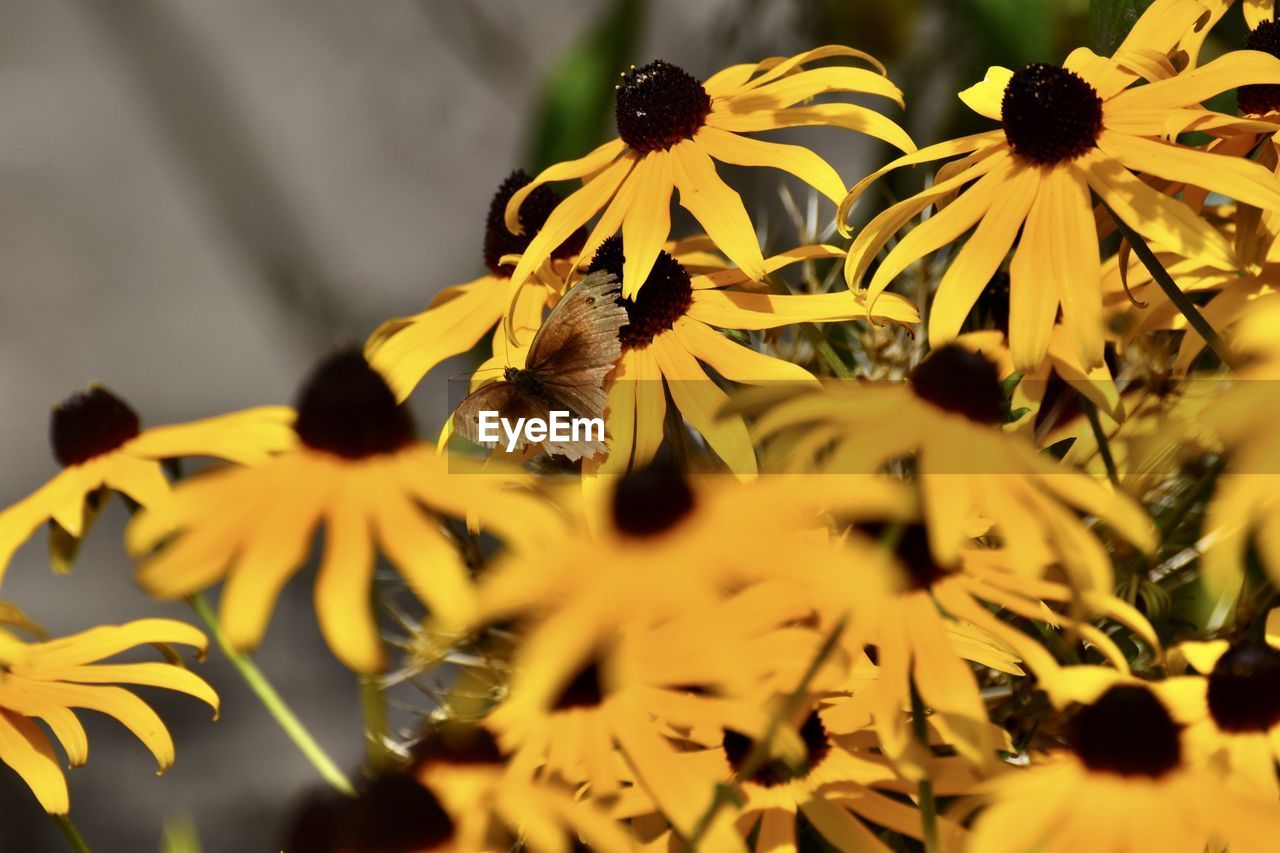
point(570, 358)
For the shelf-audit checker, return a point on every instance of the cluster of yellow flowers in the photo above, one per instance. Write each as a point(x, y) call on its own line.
point(906, 589)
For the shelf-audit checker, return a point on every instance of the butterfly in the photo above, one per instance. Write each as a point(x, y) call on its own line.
point(565, 369)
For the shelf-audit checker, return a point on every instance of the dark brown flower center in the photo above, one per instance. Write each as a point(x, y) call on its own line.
point(1129, 732)
point(498, 241)
point(1244, 689)
point(391, 814)
point(347, 409)
point(90, 423)
point(1261, 98)
point(584, 690)
point(658, 105)
point(456, 744)
point(1050, 114)
point(961, 381)
point(651, 500)
point(663, 299)
point(737, 747)
point(913, 551)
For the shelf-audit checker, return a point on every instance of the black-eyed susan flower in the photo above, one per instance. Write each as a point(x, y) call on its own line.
point(671, 621)
point(1068, 134)
point(947, 419)
point(1123, 782)
point(50, 680)
point(840, 787)
point(1233, 718)
point(671, 130)
point(360, 471)
point(492, 808)
point(406, 348)
point(675, 328)
point(102, 448)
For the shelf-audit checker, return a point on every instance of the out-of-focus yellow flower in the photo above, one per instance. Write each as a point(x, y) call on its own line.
point(947, 420)
point(1068, 133)
point(672, 128)
point(99, 441)
point(361, 471)
point(48, 680)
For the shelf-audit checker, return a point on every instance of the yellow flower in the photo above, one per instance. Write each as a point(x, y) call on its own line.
point(674, 328)
point(838, 787)
point(47, 680)
point(406, 348)
point(463, 766)
point(973, 476)
point(1069, 133)
point(360, 470)
point(98, 440)
point(672, 128)
point(1123, 783)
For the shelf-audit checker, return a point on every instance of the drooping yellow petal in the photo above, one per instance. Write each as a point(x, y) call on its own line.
point(568, 216)
point(620, 418)
point(1258, 11)
point(650, 406)
point(942, 228)
point(429, 562)
point(1234, 69)
point(700, 401)
point(981, 256)
point(731, 309)
point(149, 674)
point(741, 150)
point(345, 577)
point(246, 437)
point(985, 98)
point(140, 479)
point(806, 84)
point(134, 714)
point(717, 207)
point(590, 164)
point(108, 640)
point(1168, 224)
point(648, 220)
point(25, 748)
point(1033, 301)
point(1073, 264)
point(404, 350)
point(1236, 177)
point(733, 361)
point(848, 116)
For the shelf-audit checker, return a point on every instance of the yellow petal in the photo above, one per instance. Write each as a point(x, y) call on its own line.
point(981, 256)
point(150, 674)
point(247, 437)
point(108, 640)
point(730, 309)
point(745, 151)
point(848, 116)
point(806, 84)
point(718, 208)
point(650, 407)
point(1073, 264)
point(429, 562)
point(344, 580)
point(129, 710)
point(648, 220)
point(700, 402)
point(734, 361)
point(592, 163)
point(25, 748)
point(1236, 177)
point(985, 98)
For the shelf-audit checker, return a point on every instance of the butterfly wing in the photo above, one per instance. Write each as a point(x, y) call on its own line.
point(509, 401)
point(578, 345)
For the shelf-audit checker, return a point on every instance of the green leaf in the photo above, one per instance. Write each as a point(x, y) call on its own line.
point(573, 111)
point(1111, 20)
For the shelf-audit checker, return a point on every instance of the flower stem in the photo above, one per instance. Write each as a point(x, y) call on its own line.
point(1180, 300)
point(814, 335)
point(271, 700)
point(374, 704)
point(1100, 435)
point(759, 753)
point(74, 839)
point(928, 806)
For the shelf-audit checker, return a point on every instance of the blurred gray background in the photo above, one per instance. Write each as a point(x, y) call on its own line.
point(199, 197)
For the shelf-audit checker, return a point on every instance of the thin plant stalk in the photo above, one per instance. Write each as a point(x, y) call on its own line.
point(68, 829)
point(1100, 435)
point(373, 702)
point(928, 805)
point(272, 700)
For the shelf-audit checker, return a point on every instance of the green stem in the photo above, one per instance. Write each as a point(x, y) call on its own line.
point(374, 703)
point(928, 806)
point(271, 700)
point(74, 839)
point(1180, 300)
point(1104, 445)
point(761, 749)
point(1190, 497)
